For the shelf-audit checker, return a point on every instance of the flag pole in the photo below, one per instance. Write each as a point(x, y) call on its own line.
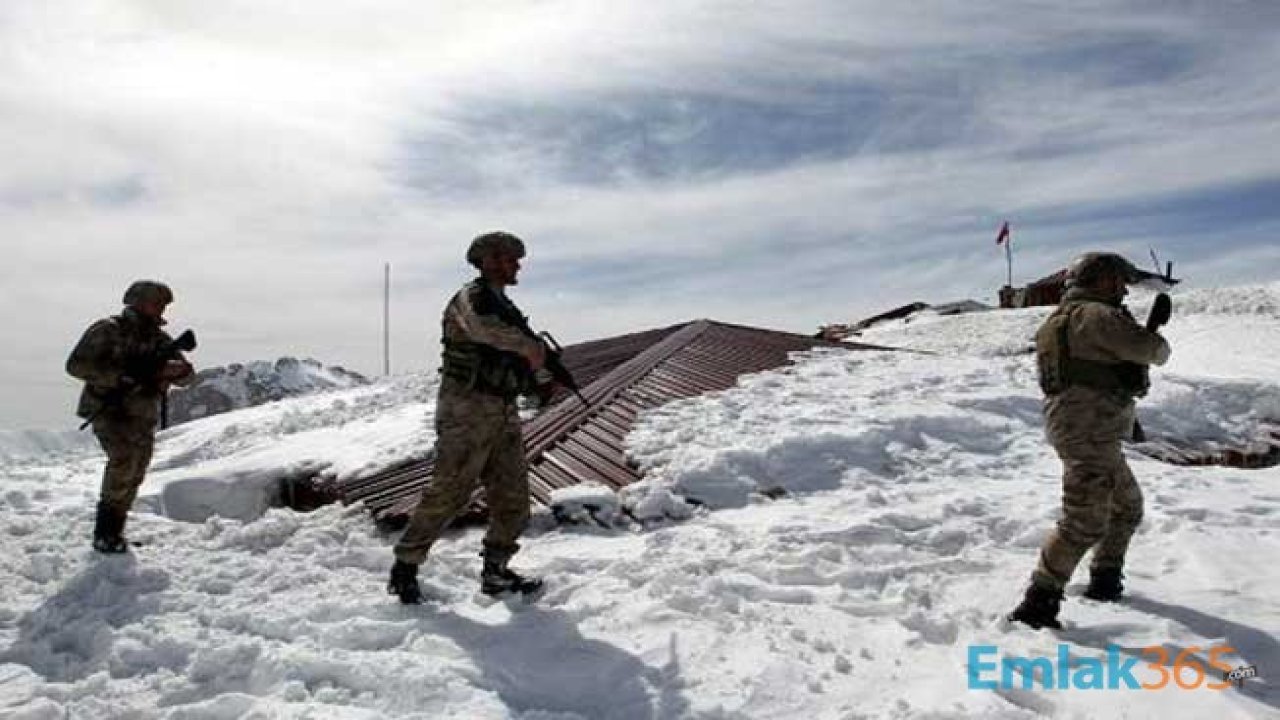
point(1008, 255)
point(1004, 237)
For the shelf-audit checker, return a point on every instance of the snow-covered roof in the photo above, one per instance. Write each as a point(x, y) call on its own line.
point(572, 443)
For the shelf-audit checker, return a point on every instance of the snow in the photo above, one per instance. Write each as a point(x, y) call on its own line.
point(587, 504)
point(823, 541)
point(221, 389)
point(17, 446)
point(236, 464)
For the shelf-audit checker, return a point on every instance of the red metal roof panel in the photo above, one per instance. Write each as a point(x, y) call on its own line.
point(620, 377)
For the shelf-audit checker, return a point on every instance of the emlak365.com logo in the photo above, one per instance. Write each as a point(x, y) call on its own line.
point(989, 670)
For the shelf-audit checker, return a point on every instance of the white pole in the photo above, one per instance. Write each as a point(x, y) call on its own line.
point(386, 320)
point(1008, 254)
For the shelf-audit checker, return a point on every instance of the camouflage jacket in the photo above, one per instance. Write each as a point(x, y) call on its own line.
point(485, 343)
point(106, 353)
point(1096, 340)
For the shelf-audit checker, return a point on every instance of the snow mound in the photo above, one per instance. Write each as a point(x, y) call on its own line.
point(41, 445)
point(878, 423)
point(997, 333)
point(238, 464)
point(1263, 300)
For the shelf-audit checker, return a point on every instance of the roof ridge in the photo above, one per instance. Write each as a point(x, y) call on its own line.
point(544, 430)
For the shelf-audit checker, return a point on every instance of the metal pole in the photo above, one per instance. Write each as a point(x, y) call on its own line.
point(386, 320)
point(1008, 254)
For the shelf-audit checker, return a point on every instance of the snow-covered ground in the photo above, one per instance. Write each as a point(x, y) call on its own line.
point(910, 494)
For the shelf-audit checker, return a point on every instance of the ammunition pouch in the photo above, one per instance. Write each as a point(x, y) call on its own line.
point(1059, 371)
point(1128, 379)
point(487, 370)
point(1135, 379)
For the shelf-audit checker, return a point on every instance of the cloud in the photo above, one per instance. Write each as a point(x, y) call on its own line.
point(785, 164)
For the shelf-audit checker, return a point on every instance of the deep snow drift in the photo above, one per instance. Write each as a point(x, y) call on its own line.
point(911, 492)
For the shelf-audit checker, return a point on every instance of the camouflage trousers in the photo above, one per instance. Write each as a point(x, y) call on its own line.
point(128, 444)
point(1101, 509)
point(478, 441)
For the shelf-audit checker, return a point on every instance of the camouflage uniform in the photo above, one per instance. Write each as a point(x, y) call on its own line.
point(125, 424)
point(1093, 356)
point(477, 425)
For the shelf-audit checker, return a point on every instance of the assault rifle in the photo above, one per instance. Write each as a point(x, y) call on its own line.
point(555, 365)
point(553, 362)
point(1158, 317)
point(144, 371)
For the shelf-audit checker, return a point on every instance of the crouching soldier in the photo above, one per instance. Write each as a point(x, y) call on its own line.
point(490, 358)
point(1093, 359)
point(127, 363)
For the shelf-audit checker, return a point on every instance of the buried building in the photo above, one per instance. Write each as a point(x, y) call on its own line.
point(574, 443)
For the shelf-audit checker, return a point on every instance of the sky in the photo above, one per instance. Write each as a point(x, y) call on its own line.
point(781, 164)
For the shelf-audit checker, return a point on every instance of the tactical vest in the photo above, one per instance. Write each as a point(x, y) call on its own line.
point(484, 368)
point(1058, 370)
point(131, 342)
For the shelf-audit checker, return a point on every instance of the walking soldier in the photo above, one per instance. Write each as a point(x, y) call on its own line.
point(1093, 358)
point(489, 360)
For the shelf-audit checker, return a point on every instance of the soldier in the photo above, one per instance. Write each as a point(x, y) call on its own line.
point(119, 359)
point(488, 361)
point(1093, 359)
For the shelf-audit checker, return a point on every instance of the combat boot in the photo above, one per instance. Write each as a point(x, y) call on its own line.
point(1105, 585)
point(1039, 607)
point(404, 583)
point(107, 530)
point(496, 579)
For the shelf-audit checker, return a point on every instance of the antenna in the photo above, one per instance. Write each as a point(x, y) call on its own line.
point(1155, 259)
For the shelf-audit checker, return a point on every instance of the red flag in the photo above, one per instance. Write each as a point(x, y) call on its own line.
point(1004, 233)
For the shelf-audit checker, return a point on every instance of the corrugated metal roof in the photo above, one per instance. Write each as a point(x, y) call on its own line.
point(571, 443)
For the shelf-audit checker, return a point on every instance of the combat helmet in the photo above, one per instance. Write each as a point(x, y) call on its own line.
point(147, 291)
point(1090, 268)
point(494, 242)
